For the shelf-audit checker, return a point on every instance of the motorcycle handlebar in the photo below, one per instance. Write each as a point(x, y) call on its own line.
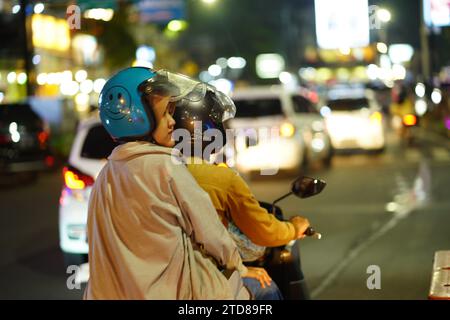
point(310, 232)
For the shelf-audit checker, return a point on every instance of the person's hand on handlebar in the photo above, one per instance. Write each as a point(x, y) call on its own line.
point(300, 225)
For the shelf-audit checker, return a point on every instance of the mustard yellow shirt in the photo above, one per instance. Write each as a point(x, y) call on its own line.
point(232, 198)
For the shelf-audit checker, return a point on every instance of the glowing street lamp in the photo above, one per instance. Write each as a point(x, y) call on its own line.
point(177, 25)
point(383, 15)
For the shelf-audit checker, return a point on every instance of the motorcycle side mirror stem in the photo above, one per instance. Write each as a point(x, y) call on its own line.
point(303, 187)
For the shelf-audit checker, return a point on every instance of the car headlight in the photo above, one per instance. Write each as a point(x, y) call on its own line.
point(376, 117)
point(318, 144)
point(287, 130)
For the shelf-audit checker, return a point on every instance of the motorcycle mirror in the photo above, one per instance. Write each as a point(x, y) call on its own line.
point(305, 187)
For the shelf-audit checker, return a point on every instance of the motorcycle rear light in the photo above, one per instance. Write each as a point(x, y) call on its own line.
point(409, 120)
point(75, 179)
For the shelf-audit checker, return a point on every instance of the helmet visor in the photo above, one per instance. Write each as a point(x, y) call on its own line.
point(189, 93)
point(168, 84)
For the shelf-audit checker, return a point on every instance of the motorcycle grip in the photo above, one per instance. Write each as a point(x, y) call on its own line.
point(310, 232)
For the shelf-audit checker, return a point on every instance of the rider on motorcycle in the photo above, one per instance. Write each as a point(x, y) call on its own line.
point(402, 104)
point(153, 232)
point(234, 202)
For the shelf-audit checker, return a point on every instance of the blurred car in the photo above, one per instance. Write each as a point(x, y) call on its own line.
point(24, 140)
point(354, 119)
point(303, 136)
point(91, 147)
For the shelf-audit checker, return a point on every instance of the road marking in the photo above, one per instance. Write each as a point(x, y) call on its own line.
point(405, 201)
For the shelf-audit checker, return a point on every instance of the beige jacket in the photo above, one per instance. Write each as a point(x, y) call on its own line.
point(147, 220)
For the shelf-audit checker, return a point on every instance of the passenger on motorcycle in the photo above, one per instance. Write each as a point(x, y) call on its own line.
point(235, 204)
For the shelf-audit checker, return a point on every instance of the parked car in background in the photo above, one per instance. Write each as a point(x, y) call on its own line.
point(24, 140)
point(91, 147)
point(354, 119)
point(303, 136)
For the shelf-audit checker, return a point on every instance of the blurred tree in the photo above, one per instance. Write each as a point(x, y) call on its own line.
point(169, 54)
point(121, 36)
point(118, 42)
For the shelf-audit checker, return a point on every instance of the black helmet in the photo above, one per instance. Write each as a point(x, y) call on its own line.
point(203, 109)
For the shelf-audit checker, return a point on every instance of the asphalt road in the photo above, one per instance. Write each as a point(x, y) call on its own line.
point(390, 210)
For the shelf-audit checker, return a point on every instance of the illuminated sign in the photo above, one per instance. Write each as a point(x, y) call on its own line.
point(436, 12)
point(342, 24)
point(161, 11)
point(50, 32)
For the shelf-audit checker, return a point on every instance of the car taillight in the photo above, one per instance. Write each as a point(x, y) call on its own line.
point(75, 179)
point(43, 137)
point(409, 120)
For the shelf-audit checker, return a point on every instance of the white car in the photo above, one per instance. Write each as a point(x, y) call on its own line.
point(302, 132)
point(91, 147)
point(354, 119)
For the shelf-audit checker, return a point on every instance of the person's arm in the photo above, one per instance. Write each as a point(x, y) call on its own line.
point(255, 222)
point(208, 230)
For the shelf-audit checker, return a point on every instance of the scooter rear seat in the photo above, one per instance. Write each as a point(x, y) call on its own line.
point(440, 280)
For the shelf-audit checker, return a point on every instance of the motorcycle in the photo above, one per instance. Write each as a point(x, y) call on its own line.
point(409, 121)
point(283, 263)
point(404, 126)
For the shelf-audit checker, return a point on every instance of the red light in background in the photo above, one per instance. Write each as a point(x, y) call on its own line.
point(43, 137)
point(313, 96)
point(49, 161)
point(5, 138)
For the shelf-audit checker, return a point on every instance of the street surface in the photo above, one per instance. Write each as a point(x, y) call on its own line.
point(391, 210)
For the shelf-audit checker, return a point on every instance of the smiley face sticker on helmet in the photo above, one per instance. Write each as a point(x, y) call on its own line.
point(117, 103)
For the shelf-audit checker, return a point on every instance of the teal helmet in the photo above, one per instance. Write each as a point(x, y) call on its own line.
point(123, 110)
